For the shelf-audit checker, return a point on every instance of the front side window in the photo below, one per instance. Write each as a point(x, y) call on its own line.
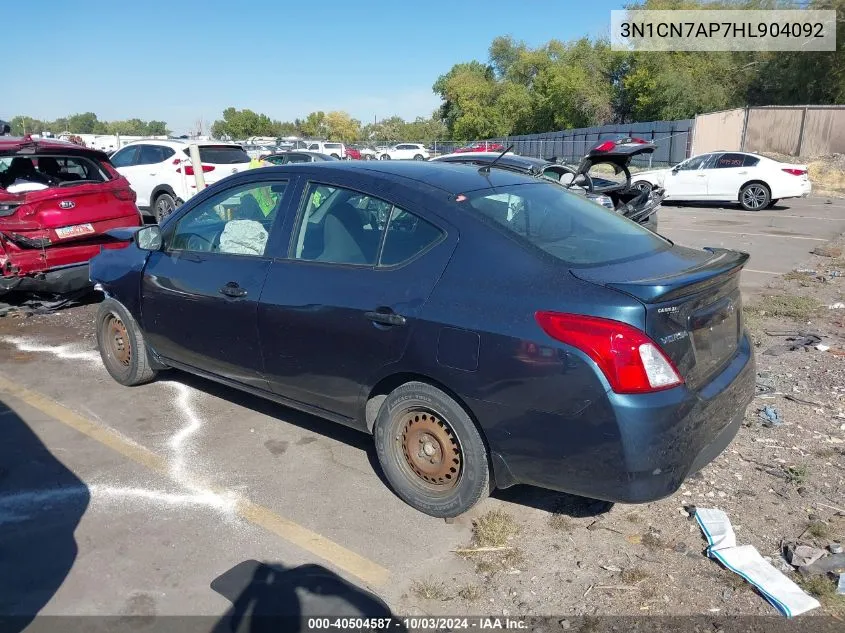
point(693, 163)
point(125, 157)
point(563, 224)
point(235, 222)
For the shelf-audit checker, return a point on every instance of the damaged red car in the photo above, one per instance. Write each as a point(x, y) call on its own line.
point(57, 201)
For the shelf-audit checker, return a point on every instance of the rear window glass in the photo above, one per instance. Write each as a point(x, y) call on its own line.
point(564, 224)
point(222, 155)
point(333, 145)
point(28, 172)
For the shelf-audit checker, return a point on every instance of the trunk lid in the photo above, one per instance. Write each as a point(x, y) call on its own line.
point(692, 301)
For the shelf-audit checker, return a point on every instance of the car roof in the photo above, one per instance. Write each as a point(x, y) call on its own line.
point(449, 177)
point(181, 143)
point(13, 144)
point(525, 164)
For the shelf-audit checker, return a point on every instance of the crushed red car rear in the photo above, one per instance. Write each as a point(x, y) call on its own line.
point(57, 201)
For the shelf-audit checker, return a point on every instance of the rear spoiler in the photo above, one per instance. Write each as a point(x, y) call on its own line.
point(711, 272)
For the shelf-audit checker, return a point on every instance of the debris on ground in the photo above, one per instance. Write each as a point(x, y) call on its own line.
point(827, 251)
point(840, 588)
point(822, 347)
point(802, 555)
point(31, 305)
point(746, 561)
point(804, 341)
point(770, 416)
point(835, 548)
point(836, 306)
point(832, 564)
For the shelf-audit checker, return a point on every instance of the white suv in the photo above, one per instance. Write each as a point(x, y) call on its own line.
point(404, 151)
point(162, 175)
point(338, 150)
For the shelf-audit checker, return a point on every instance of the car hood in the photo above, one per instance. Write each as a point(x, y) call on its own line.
point(656, 174)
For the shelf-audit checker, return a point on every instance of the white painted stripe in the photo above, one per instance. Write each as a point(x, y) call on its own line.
point(742, 233)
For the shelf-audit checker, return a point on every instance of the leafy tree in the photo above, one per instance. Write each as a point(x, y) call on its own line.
point(342, 127)
point(241, 124)
point(315, 124)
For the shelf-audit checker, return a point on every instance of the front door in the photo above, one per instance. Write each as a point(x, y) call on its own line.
point(199, 295)
point(688, 181)
point(342, 303)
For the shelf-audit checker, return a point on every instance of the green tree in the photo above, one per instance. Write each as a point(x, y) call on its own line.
point(342, 127)
point(241, 124)
point(315, 124)
point(85, 123)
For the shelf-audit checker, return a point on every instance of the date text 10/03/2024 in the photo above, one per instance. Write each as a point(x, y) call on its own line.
point(417, 624)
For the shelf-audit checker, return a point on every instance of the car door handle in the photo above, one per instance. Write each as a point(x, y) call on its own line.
point(702, 175)
point(232, 289)
point(742, 172)
point(386, 318)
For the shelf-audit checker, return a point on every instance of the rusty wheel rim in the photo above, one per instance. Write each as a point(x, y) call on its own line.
point(430, 449)
point(118, 340)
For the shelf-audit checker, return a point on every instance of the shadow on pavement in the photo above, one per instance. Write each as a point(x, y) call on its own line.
point(306, 421)
point(272, 597)
point(555, 502)
point(41, 503)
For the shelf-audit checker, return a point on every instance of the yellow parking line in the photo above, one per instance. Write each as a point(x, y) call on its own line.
point(337, 555)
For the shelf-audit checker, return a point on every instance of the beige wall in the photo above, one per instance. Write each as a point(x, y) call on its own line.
point(774, 130)
point(824, 132)
point(718, 130)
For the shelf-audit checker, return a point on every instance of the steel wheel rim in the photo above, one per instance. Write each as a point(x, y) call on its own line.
point(641, 186)
point(119, 346)
point(754, 196)
point(430, 453)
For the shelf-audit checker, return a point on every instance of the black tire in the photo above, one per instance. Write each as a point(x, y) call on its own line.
point(773, 203)
point(419, 157)
point(417, 413)
point(642, 185)
point(163, 205)
point(122, 346)
point(384, 157)
point(755, 196)
point(335, 156)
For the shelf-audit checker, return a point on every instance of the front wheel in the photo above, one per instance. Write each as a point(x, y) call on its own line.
point(641, 186)
point(431, 451)
point(754, 196)
point(122, 345)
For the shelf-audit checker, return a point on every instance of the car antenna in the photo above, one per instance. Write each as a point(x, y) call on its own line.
point(486, 168)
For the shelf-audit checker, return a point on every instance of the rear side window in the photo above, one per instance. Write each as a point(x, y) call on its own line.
point(332, 145)
point(729, 160)
point(750, 161)
point(564, 224)
point(221, 154)
point(408, 235)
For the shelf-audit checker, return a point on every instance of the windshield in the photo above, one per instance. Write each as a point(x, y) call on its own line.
point(34, 172)
point(565, 225)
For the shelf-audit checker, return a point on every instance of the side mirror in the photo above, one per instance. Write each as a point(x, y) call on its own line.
point(149, 238)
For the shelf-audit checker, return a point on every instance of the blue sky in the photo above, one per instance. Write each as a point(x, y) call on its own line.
point(182, 60)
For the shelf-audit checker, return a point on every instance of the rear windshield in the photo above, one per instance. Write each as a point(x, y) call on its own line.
point(564, 224)
point(222, 155)
point(32, 172)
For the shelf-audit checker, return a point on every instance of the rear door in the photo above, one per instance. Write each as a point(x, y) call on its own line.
point(199, 295)
point(341, 301)
point(726, 175)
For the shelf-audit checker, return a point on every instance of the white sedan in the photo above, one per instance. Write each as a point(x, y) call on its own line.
point(403, 151)
point(756, 182)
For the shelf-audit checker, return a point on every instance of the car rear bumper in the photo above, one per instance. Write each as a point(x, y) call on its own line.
point(61, 281)
point(622, 448)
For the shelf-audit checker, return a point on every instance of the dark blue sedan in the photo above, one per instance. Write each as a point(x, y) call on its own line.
point(486, 327)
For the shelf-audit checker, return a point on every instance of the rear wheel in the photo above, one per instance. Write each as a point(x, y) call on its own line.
point(385, 157)
point(122, 346)
point(754, 196)
point(641, 186)
point(335, 156)
point(163, 206)
point(418, 157)
point(431, 451)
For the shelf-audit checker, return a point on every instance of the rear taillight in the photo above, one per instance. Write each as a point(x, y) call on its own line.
point(795, 172)
point(605, 147)
point(629, 359)
point(189, 169)
point(125, 194)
